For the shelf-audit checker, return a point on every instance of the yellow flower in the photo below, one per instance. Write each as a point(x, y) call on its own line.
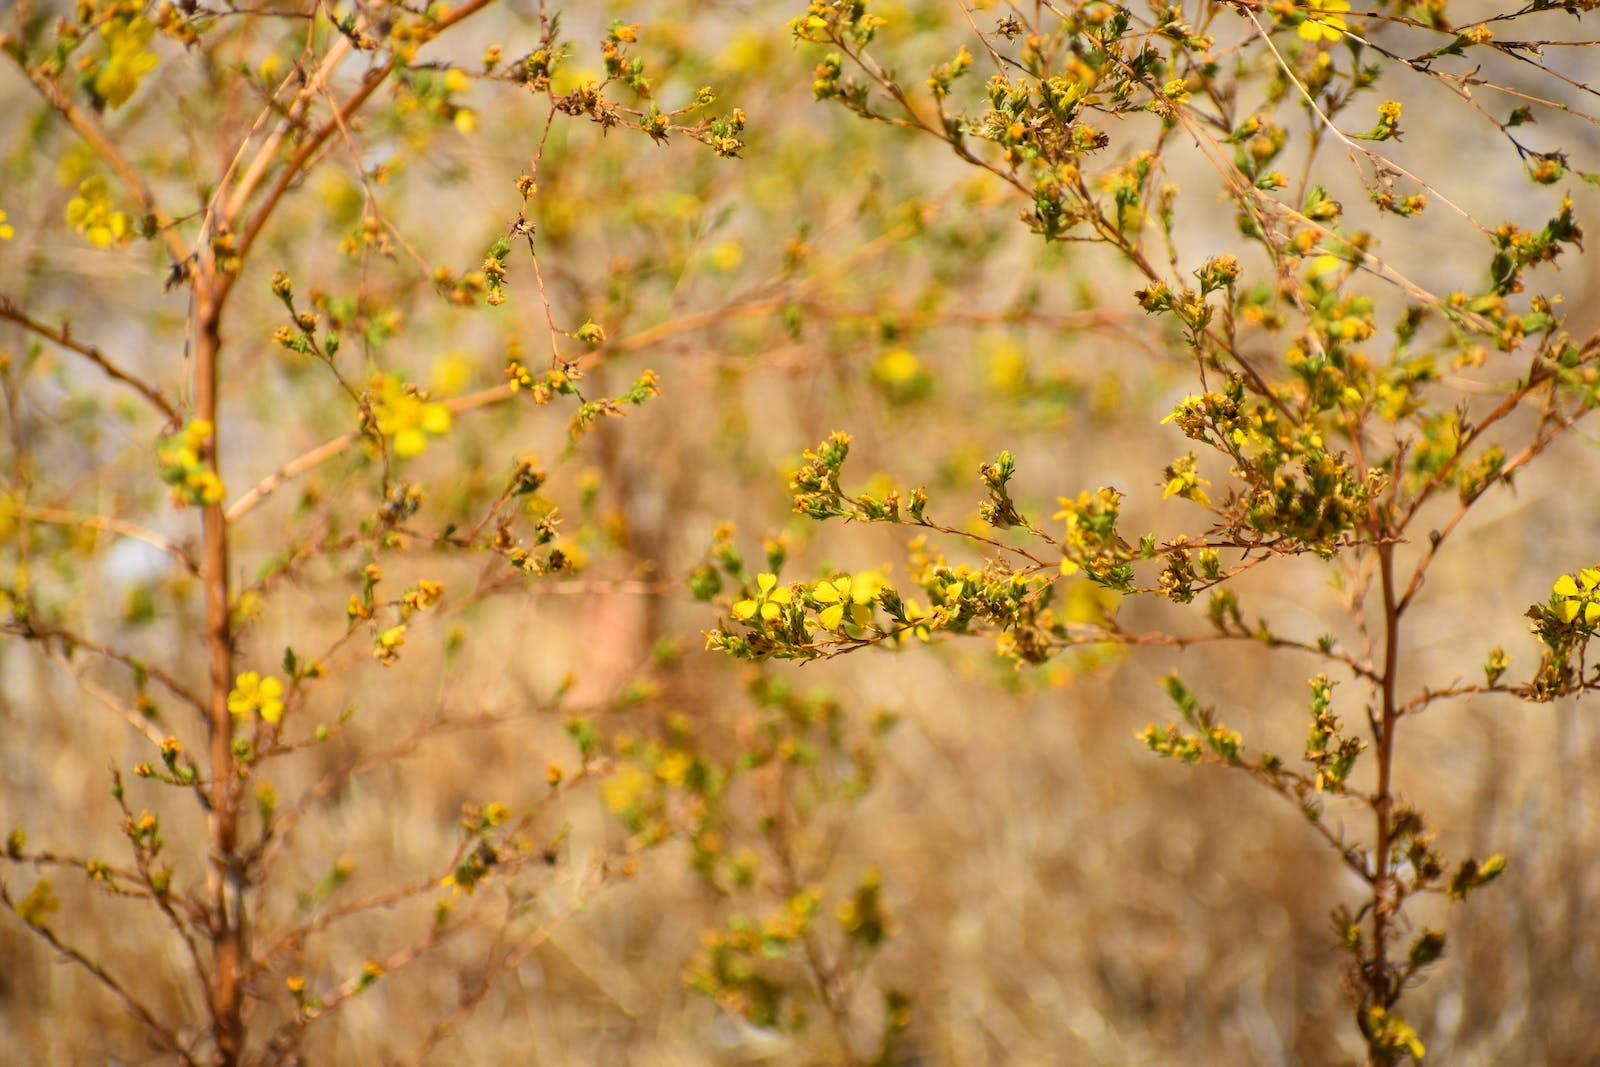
point(1325, 21)
point(1579, 595)
point(623, 790)
point(92, 214)
point(127, 60)
point(1007, 370)
point(6, 231)
point(1324, 266)
point(769, 602)
point(39, 904)
point(1185, 481)
point(726, 256)
point(450, 374)
point(403, 415)
point(898, 366)
point(253, 694)
point(674, 767)
point(916, 615)
point(858, 595)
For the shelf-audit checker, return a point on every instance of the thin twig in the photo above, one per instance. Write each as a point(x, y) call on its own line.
point(167, 1037)
point(62, 335)
point(110, 524)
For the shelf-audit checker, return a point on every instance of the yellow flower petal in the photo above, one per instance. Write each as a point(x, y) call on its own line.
point(832, 616)
point(1565, 586)
point(1568, 610)
point(408, 443)
point(436, 419)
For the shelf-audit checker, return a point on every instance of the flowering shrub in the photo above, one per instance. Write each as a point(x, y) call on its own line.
point(328, 476)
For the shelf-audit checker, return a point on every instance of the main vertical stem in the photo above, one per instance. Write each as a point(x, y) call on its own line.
point(225, 879)
point(1379, 991)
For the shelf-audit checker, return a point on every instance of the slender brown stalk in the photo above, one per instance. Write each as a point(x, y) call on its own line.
point(225, 881)
point(164, 1035)
point(62, 335)
point(1381, 991)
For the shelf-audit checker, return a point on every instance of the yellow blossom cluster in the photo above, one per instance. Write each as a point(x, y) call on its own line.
point(183, 468)
point(406, 417)
point(92, 214)
point(1579, 594)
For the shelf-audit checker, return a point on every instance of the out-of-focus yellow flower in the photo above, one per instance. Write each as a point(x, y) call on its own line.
point(726, 256)
point(1006, 372)
point(1324, 266)
point(127, 59)
point(1325, 20)
point(406, 417)
point(623, 790)
point(898, 366)
point(674, 767)
point(39, 904)
point(450, 374)
point(92, 214)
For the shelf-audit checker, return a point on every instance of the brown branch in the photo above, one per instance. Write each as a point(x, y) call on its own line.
point(650, 335)
point(470, 1001)
point(269, 148)
point(62, 335)
point(296, 935)
point(91, 132)
point(292, 170)
point(110, 524)
point(1385, 889)
point(1540, 442)
point(34, 631)
point(109, 699)
point(133, 887)
point(164, 897)
point(165, 1035)
point(433, 725)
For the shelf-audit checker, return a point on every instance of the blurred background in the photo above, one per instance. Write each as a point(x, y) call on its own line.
point(1053, 893)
